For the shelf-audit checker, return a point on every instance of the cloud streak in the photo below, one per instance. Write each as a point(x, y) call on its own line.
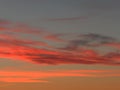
point(42, 76)
point(55, 37)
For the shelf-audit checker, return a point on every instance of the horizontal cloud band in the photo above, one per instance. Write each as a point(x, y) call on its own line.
point(41, 76)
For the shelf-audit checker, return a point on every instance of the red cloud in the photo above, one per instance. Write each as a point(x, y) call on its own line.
point(43, 56)
point(13, 46)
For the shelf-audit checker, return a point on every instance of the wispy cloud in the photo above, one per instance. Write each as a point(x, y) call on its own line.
point(55, 37)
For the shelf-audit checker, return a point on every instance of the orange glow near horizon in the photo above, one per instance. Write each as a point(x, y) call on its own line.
point(41, 76)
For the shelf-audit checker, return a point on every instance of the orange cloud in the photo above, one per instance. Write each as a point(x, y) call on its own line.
point(41, 76)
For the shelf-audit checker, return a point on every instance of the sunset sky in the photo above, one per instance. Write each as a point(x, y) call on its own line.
point(59, 45)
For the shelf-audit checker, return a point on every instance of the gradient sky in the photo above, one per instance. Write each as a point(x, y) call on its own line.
point(59, 44)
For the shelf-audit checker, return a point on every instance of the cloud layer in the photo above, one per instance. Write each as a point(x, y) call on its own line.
point(38, 48)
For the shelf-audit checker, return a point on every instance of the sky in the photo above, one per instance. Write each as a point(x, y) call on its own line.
point(59, 44)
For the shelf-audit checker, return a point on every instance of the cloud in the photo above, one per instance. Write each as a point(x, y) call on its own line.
point(55, 37)
point(74, 51)
point(4, 22)
point(24, 28)
point(21, 28)
point(42, 76)
point(114, 44)
point(90, 40)
point(51, 57)
point(9, 40)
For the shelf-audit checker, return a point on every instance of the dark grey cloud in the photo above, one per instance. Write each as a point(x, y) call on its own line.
point(89, 40)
